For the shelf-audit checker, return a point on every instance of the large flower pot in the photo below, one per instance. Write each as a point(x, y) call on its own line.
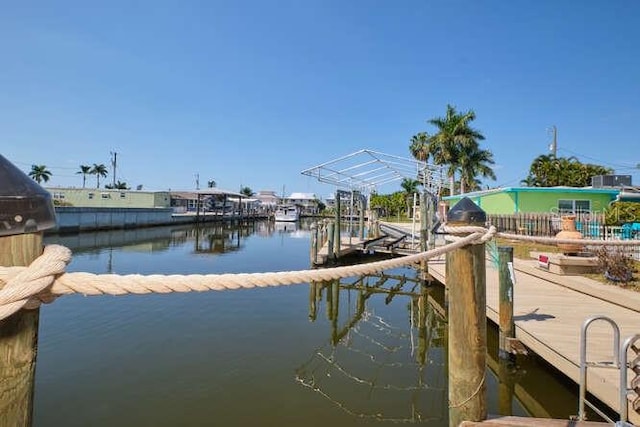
point(569, 231)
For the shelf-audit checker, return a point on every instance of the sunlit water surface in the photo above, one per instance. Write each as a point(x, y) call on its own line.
point(312, 355)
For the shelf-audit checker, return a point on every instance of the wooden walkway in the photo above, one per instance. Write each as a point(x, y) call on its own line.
point(549, 310)
point(549, 315)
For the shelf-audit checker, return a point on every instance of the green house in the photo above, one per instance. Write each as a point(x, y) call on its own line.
point(561, 200)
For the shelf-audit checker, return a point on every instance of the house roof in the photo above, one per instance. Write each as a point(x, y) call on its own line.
point(302, 196)
point(204, 192)
point(559, 189)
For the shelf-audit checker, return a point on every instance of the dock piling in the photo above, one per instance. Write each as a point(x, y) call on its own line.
point(507, 326)
point(26, 211)
point(466, 280)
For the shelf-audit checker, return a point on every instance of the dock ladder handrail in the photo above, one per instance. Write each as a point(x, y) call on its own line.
point(620, 362)
point(635, 382)
point(584, 364)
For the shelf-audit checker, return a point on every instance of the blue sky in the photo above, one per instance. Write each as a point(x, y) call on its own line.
point(253, 92)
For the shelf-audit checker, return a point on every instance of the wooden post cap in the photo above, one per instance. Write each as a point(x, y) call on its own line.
point(25, 207)
point(466, 212)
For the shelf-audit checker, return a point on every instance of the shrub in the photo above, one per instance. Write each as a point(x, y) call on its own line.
point(616, 263)
point(622, 212)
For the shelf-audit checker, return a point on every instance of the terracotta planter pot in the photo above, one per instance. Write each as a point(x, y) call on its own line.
point(569, 232)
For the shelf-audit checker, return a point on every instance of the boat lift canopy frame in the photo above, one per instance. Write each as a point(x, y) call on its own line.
point(366, 170)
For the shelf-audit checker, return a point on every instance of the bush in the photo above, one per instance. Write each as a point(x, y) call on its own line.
point(622, 212)
point(616, 263)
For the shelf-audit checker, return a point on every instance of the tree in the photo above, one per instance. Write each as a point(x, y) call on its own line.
point(454, 137)
point(548, 170)
point(99, 170)
point(409, 188)
point(474, 162)
point(211, 183)
point(40, 173)
point(419, 147)
point(84, 170)
point(119, 185)
point(247, 191)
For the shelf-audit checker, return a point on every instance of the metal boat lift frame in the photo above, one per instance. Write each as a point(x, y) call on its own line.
point(366, 170)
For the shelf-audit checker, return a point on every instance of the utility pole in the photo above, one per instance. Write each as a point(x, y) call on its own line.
point(114, 163)
point(553, 147)
point(197, 181)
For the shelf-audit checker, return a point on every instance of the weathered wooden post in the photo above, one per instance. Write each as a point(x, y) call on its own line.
point(25, 211)
point(466, 275)
point(330, 237)
point(313, 253)
point(336, 239)
point(362, 206)
point(507, 326)
point(424, 264)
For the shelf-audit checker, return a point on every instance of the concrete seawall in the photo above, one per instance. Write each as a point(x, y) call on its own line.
point(72, 219)
point(76, 219)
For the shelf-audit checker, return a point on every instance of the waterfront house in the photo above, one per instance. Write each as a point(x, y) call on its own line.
point(306, 202)
point(107, 198)
point(559, 200)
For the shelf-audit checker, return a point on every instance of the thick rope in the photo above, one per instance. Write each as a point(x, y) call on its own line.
point(45, 279)
point(26, 288)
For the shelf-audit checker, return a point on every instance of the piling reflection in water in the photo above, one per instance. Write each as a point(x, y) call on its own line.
point(368, 358)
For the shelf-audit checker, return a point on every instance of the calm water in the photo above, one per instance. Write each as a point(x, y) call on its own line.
point(328, 354)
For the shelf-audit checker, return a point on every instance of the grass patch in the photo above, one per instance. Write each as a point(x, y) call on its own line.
point(522, 249)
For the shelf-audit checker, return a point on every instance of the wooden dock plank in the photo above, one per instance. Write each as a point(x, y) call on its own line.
point(548, 319)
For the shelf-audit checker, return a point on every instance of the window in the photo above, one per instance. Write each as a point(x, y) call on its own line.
point(105, 195)
point(123, 195)
point(58, 195)
point(91, 195)
point(574, 206)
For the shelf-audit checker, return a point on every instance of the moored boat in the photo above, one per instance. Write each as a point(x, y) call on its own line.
point(287, 213)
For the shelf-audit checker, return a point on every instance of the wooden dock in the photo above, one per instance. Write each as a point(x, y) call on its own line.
point(549, 315)
point(549, 311)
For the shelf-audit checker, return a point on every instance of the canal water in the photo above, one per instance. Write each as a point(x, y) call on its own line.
point(362, 351)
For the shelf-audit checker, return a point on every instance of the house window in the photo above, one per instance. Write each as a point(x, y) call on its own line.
point(574, 206)
point(91, 195)
point(58, 195)
point(105, 195)
point(123, 195)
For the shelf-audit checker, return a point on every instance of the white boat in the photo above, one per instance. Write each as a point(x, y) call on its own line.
point(287, 213)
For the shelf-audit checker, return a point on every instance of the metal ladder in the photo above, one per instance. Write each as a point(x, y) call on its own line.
point(619, 362)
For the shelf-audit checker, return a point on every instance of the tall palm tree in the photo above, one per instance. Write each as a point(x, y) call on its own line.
point(99, 170)
point(454, 135)
point(84, 170)
point(40, 173)
point(474, 162)
point(419, 147)
point(409, 187)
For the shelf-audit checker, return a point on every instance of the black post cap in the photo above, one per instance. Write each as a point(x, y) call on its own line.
point(25, 207)
point(467, 212)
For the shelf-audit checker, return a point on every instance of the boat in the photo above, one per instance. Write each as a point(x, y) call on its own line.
point(288, 213)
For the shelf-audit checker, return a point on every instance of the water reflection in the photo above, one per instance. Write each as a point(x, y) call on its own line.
point(374, 362)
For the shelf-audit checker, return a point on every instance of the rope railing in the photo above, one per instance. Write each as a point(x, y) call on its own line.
point(45, 279)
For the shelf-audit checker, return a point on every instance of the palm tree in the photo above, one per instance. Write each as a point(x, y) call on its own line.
point(409, 187)
point(419, 147)
point(474, 162)
point(119, 185)
point(99, 170)
point(40, 173)
point(453, 137)
point(247, 191)
point(84, 170)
